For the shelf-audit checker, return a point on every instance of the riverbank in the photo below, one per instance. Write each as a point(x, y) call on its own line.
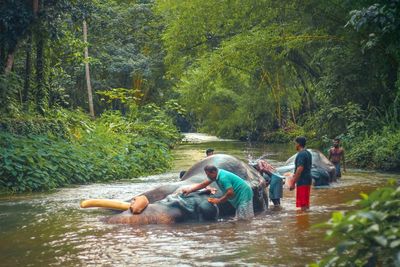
point(41, 153)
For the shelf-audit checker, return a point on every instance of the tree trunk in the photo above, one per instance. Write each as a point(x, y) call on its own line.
point(88, 84)
point(40, 84)
point(293, 114)
point(35, 8)
point(9, 60)
point(2, 57)
point(28, 64)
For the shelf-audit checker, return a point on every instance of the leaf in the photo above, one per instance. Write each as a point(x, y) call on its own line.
point(364, 196)
point(395, 243)
point(337, 216)
point(344, 245)
point(373, 228)
point(381, 240)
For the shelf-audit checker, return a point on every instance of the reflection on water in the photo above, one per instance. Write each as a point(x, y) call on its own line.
point(51, 229)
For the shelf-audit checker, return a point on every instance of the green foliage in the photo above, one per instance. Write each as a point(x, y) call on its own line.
point(126, 49)
point(125, 96)
point(285, 135)
point(47, 49)
point(331, 67)
point(37, 163)
point(10, 94)
point(278, 136)
point(28, 125)
point(334, 121)
point(262, 70)
point(378, 150)
point(381, 23)
point(369, 236)
point(70, 148)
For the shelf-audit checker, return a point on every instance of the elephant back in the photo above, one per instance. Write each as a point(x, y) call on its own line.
point(226, 162)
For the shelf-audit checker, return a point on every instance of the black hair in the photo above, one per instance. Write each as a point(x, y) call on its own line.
point(181, 174)
point(209, 150)
point(337, 139)
point(210, 168)
point(301, 140)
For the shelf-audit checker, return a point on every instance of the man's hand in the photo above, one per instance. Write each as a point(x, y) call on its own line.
point(292, 187)
point(213, 190)
point(213, 200)
point(288, 175)
point(186, 191)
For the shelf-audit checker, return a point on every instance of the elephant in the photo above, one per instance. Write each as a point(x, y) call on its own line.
point(323, 171)
point(167, 205)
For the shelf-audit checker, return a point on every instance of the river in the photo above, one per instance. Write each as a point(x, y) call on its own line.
point(51, 230)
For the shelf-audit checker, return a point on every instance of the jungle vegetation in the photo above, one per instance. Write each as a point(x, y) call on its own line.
point(369, 236)
point(47, 137)
point(270, 70)
point(260, 70)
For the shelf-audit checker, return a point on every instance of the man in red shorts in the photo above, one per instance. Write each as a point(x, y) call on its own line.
point(302, 175)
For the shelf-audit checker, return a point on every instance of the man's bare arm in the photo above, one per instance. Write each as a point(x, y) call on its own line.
point(202, 185)
point(229, 194)
point(296, 176)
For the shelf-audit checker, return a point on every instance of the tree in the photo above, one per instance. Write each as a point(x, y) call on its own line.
point(88, 84)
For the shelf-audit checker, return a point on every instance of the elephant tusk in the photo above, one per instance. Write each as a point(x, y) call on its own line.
point(105, 203)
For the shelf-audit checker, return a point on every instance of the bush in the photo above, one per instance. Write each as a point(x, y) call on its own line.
point(288, 134)
point(369, 236)
point(109, 148)
point(279, 136)
point(34, 126)
point(379, 150)
point(37, 163)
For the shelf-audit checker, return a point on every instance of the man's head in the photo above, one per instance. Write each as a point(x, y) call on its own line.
point(300, 142)
point(336, 142)
point(211, 172)
point(209, 152)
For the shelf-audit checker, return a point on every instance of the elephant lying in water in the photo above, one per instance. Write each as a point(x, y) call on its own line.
point(168, 205)
point(322, 170)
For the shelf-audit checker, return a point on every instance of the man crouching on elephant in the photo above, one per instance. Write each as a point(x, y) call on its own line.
point(234, 189)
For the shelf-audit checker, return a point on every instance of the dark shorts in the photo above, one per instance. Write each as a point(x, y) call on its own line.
point(338, 172)
point(276, 201)
point(303, 196)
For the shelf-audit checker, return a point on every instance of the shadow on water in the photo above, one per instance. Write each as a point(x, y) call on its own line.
point(51, 230)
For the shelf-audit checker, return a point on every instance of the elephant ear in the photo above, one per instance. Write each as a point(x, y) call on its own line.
point(138, 204)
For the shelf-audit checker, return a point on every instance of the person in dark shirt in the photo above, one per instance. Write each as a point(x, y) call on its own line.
point(302, 175)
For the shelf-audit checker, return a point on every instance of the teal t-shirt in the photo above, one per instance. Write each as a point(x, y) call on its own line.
point(242, 190)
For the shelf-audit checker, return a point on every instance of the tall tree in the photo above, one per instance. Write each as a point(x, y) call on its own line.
point(87, 71)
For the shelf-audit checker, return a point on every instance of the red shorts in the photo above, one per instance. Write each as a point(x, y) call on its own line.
point(303, 196)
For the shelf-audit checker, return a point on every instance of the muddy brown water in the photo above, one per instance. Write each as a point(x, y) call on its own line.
point(51, 230)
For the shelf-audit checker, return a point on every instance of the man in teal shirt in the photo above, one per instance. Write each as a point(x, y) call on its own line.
point(235, 190)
